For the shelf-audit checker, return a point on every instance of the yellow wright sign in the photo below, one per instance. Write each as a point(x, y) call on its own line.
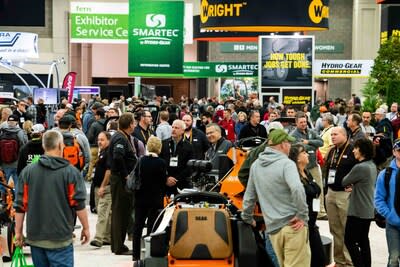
point(219, 10)
point(317, 11)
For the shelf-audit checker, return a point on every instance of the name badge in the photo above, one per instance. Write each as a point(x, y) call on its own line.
point(331, 176)
point(316, 204)
point(226, 132)
point(194, 139)
point(345, 156)
point(173, 162)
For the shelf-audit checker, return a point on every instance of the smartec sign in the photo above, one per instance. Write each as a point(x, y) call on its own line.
point(155, 32)
point(237, 69)
point(156, 38)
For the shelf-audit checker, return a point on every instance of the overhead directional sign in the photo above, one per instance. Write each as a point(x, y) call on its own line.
point(220, 69)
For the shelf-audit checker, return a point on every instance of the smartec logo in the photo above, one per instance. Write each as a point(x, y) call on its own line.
point(155, 31)
point(221, 68)
point(155, 20)
point(8, 39)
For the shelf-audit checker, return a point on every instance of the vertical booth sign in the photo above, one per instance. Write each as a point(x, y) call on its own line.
point(155, 38)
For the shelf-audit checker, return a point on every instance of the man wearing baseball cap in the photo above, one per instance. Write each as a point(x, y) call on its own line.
point(12, 138)
point(32, 150)
point(275, 182)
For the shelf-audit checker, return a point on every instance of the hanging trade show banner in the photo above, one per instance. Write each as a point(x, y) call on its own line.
point(202, 34)
point(155, 38)
point(100, 22)
point(342, 68)
point(390, 22)
point(286, 60)
point(18, 45)
point(220, 69)
point(264, 16)
point(93, 22)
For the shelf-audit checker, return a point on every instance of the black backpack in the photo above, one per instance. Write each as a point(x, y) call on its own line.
point(9, 146)
point(379, 219)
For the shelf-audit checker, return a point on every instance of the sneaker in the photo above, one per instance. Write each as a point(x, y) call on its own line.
point(96, 243)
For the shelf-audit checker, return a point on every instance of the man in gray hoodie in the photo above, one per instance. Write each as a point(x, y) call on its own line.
point(274, 181)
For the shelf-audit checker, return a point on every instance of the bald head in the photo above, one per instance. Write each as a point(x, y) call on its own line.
point(339, 135)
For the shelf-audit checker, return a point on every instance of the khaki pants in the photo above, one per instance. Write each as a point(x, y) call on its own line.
point(103, 225)
point(94, 153)
point(337, 203)
point(316, 174)
point(292, 247)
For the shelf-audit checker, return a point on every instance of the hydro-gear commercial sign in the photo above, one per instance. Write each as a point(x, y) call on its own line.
point(286, 60)
point(155, 38)
point(342, 68)
point(220, 69)
point(18, 45)
point(264, 16)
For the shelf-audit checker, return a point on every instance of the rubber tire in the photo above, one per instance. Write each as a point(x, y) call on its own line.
point(10, 240)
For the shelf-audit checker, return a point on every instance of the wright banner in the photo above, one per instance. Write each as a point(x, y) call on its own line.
point(155, 44)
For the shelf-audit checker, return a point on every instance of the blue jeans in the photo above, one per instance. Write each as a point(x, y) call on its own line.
point(8, 172)
point(60, 257)
point(393, 242)
point(270, 251)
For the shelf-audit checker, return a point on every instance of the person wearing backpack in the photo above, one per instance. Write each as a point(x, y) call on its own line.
point(73, 151)
point(387, 204)
point(12, 138)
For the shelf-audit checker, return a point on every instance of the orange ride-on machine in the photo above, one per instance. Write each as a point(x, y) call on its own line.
point(200, 229)
point(7, 218)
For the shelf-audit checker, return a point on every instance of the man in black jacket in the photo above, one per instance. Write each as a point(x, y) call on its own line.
point(253, 128)
point(121, 159)
point(95, 128)
point(196, 137)
point(177, 152)
point(32, 150)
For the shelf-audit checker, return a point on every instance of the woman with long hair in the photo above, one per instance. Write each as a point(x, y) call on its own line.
point(299, 155)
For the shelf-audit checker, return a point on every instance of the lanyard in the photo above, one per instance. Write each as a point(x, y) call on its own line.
point(128, 138)
point(190, 138)
point(355, 132)
point(340, 157)
point(144, 136)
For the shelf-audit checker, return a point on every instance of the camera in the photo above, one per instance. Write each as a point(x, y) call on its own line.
point(202, 175)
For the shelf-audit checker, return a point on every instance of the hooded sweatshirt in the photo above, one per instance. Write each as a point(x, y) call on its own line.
point(51, 189)
point(384, 201)
point(275, 182)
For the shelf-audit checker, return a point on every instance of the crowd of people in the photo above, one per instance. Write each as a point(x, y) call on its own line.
point(317, 162)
